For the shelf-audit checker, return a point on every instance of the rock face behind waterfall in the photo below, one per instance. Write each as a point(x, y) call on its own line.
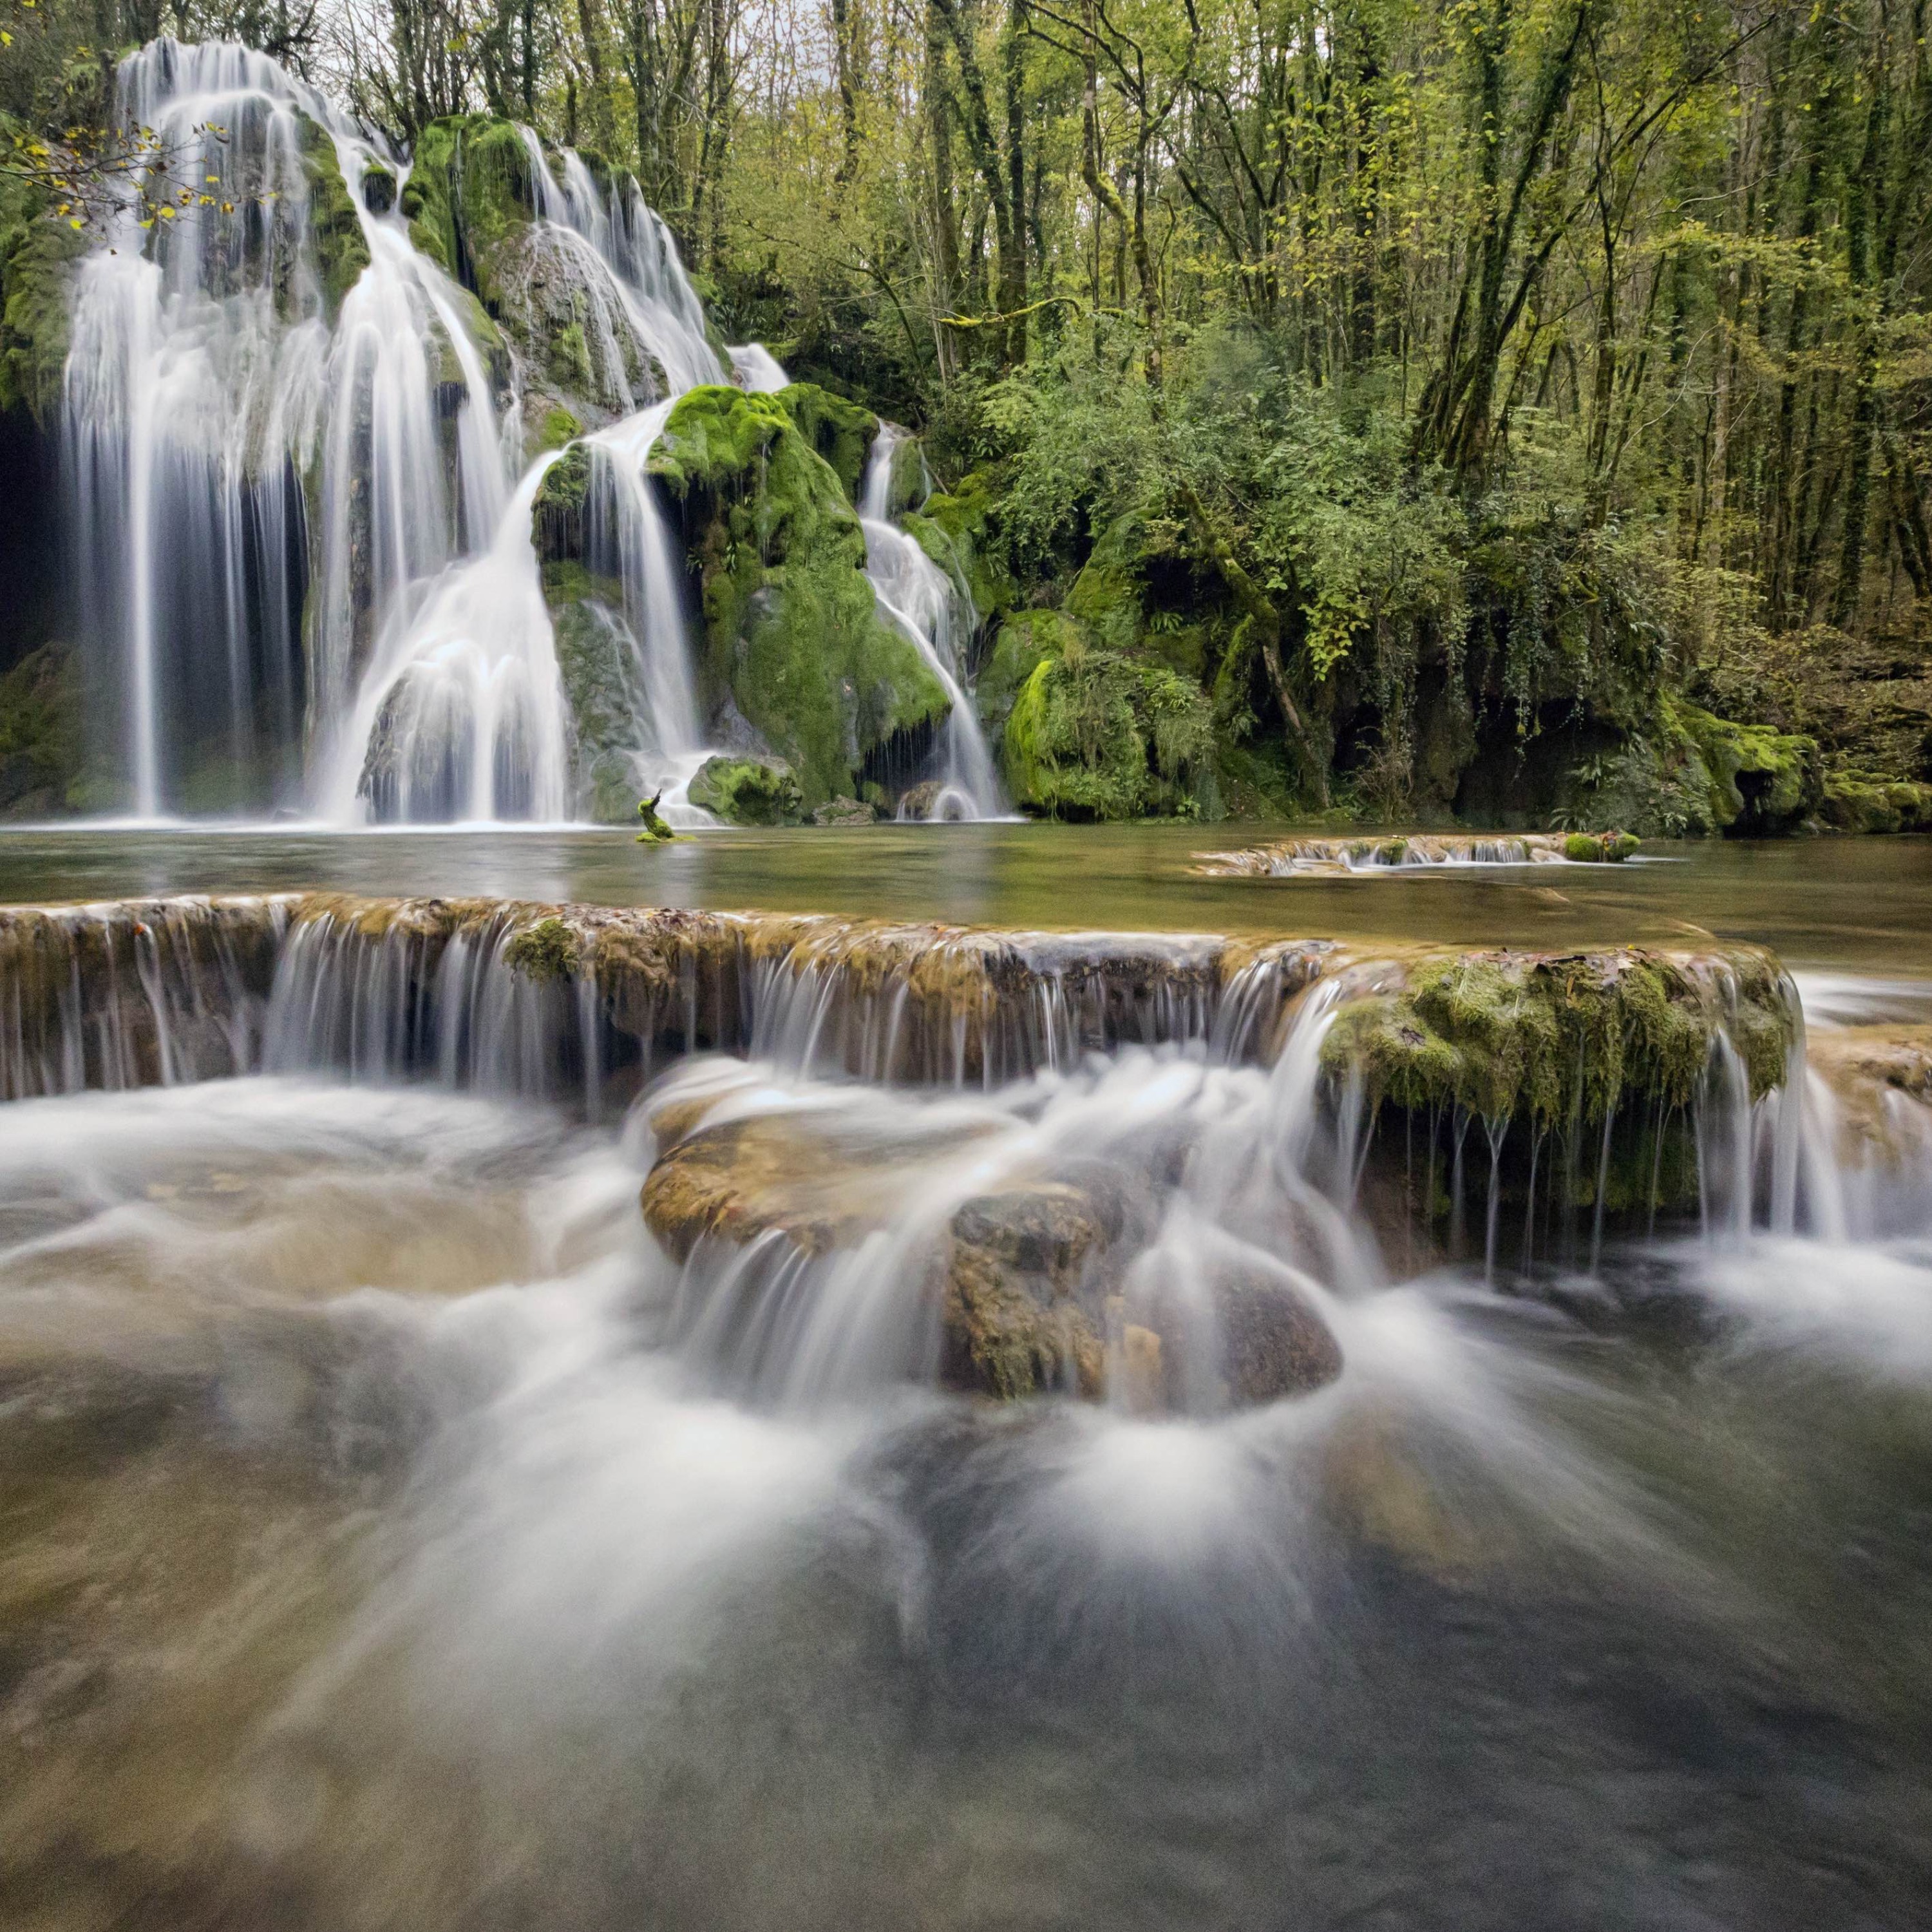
point(796, 659)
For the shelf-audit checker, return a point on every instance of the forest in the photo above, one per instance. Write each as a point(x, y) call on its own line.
point(1511, 411)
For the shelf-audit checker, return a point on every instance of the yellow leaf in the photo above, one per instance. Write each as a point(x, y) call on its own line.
point(6, 38)
point(75, 221)
point(166, 214)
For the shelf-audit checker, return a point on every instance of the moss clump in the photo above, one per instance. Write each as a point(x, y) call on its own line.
point(1600, 848)
point(793, 638)
point(1861, 802)
point(748, 791)
point(547, 950)
point(1504, 1036)
point(1690, 774)
point(841, 432)
point(1024, 642)
point(38, 257)
point(341, 251)
point(557, 510)
point(1096, 734)
point(379, 188)
point(557, 429)
point(657, 830)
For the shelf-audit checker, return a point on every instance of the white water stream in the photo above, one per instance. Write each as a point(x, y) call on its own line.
point(937, 614)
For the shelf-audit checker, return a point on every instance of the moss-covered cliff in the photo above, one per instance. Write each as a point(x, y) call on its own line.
point(793, 642)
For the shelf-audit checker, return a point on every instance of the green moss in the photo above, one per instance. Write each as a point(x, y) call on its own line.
point(38, 256)
point(1600, 848)
point(1506, 1035)
point(748, 791)
point(558, 428)
point(469, 195)
point(341, 251)
point(1022, 642)
point(1096, 734)
point(657, 830)
point(841, 431)
point(954, 528)
point(1106, 595)
point(557, 510)
point(793, 635)
point(379, 188)
point(547, 950)
point(1862, 801)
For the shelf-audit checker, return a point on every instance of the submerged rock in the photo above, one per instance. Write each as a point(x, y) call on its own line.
point(844, 811)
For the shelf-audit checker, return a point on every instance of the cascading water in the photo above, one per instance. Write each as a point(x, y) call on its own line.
point(403, 1529)
point(463, 714)
point(937, 615)
point(196, 393)
point(302, 505)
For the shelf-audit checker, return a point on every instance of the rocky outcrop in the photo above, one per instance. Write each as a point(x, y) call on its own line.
point(38, 258)
point(794, 649)
point(1031, 1284)
point(748, 791)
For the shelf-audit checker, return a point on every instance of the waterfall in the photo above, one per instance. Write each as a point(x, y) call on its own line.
point(301, 503)
point(922, 600)
point(756, 369)
point(194, 396)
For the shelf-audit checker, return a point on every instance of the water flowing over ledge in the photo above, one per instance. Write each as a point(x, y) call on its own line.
point(1290, 858)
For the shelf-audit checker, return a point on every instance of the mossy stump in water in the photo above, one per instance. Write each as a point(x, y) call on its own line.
point(1600, 848)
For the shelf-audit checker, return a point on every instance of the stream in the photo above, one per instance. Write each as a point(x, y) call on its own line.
point(396, 1532)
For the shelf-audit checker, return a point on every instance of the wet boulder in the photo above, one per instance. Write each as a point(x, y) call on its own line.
point(844, 811)
point(747, 791)
point(1254, 1337)
point(796, 658)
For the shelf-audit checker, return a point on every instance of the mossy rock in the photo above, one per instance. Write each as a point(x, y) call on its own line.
point(556, 429)
point(841, 431)
point(954, 528)
point(341, 250)
point(748, 791)
point(38, 257)
point(1688, 773)
point(603, 686)
point(558, 512)
point(793, 639)
point(379, 188)
point(1106, 595)
point(469, 194)
point(1096, 734)
point(547, 950)
point(844, 811)
point(1023, 642)
point(1600, 848)
point(1861, 802)
point(1554, 1039)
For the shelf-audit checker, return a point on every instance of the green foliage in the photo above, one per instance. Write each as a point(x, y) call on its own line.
point(1094, 734)
point(38, 256)
point(42, 743)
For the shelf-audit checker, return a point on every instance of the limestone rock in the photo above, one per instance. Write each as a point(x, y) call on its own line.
point(747, 790)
